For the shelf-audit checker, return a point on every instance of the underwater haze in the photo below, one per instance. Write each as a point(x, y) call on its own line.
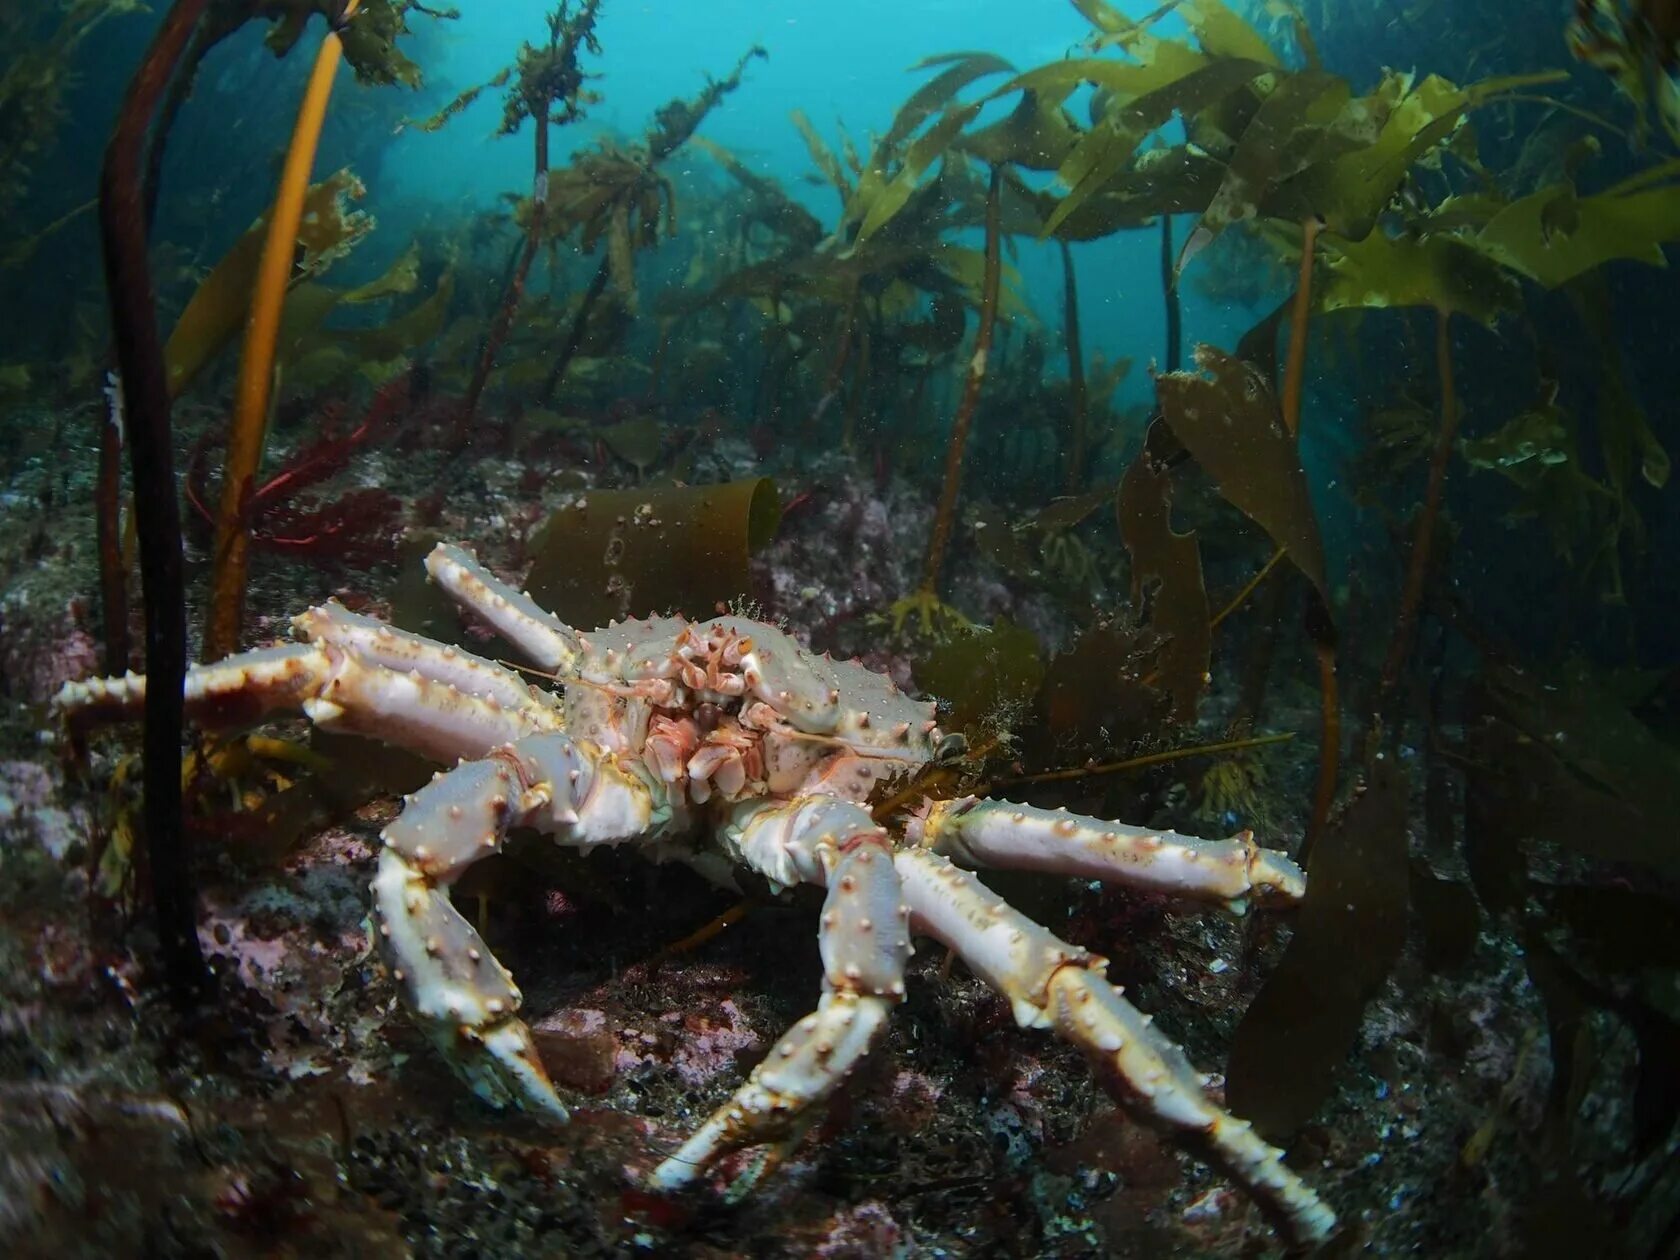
point(1023, 628)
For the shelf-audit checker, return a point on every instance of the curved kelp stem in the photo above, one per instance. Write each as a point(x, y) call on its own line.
point(231, 558)
point(1076, 374)
point(946, 517)
point(145, 383)
point(515, 291)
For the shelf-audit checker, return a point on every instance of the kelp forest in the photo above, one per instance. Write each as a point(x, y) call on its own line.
point(1124, 550)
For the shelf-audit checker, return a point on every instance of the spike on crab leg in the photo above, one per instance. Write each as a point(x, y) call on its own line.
point(1053, 984)
point(1000, 834)
point(865, 942)
point(545, 640)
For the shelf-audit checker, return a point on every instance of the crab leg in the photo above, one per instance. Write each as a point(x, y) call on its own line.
point(865, 942)
point(545, 640)
point(437, 701)
point(378, 643)
point(1052, 984)
point(465, 999)
point(1024, 837)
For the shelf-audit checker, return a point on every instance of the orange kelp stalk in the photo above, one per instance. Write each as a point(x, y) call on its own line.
point(231, 559)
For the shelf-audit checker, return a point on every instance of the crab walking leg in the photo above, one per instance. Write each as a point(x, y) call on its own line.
point(1023, 837)
point(336, 689)
point(545, 640)
point(456, 990)
point(1052, 984)
point(865, 942)
point(377, 643)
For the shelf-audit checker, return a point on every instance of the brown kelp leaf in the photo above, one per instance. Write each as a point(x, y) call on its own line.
point(370, 42)
point(1098, 695)
point(1223, 33)
point(1496, 810)
point(420, 605)
point(1581, 770)
point(985, 676)
point(1107, 148)
point(1350, 189)
point(1524, 446)
point(402, 276)
point(1179, 607)
point(1277, 144)
point(1352, 923)
point(1442, 271)
point(1625, 435)
point(881, 196)
point(315, 356)
point(1229, 421)
point(961, 69)
point(822, 155)
point(459, 104)
point(1569, 1024)
point(217, 310)
point(636, 441)
point(1037, 135)
point(618, 553)
point(1630, 220)
point(1618, 928)
point(1450, 920)
point(1161, 181)
point(1068, 512)
point(403, 334)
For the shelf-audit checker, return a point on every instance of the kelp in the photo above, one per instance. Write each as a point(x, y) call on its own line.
point(987, 677)
point(1229, 421)
point(35, 77)
point(460, 102)
point(675, 122)
point(148, 436)
point(548, 89)
point(912, 145)
point(1279, 142)
point(612, 554)
point(1104, 692)
point(1637, 43)
point(315, 355)
point(1440, 270)
point(1297, 1032)
point(330, 229)
point(1110, 144)
point(1555, 235)
point(1172, 563)
point(253, 390)
point(1558, 762)
point(1573, 767)
point(370, 39)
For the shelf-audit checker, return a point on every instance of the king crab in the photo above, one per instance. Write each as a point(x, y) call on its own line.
point(720, 744)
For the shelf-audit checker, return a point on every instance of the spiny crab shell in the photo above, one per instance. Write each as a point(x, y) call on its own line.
point(725, 745)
